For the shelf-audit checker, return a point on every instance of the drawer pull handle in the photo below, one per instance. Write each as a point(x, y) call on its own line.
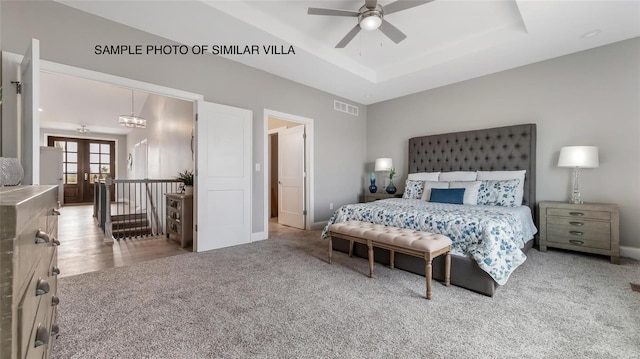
point(42, 336)
point(56, 242)
point(576, 233)
point(579, 214)
point(55, 329)
point(55, 271)
point(576, 223)
point(42, 287)
point(55, 300)
point(575, 241)
point(55, 212)
point(42, 236)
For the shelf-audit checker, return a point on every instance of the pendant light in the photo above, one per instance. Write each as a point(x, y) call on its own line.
point(132, 120)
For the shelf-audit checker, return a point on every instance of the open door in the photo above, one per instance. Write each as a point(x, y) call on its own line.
point(223, 176)
point(30, 121)
point(291, 211)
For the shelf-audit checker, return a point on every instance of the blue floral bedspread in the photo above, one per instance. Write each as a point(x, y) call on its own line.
point(492, 235)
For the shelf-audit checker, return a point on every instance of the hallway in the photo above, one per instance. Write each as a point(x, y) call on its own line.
point(82, 248)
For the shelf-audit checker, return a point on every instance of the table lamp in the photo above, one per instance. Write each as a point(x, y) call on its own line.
point(578, 157)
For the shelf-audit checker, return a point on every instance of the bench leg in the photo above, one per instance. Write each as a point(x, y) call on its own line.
point(330, 250)
point(370, 245)
point(350, 248)
point(447, 269)
point(427, 273)
point(392, 258)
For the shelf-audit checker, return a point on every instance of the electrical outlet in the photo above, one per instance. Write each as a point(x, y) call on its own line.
point(330, 205)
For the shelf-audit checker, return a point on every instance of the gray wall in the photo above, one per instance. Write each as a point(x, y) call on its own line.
point(68, 36)
point(587, 98)
point(168, 135)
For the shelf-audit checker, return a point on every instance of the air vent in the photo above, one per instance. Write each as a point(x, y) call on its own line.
point(345, 107)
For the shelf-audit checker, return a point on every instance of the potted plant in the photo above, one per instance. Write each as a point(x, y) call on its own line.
point(391, 188)
point(186, 178)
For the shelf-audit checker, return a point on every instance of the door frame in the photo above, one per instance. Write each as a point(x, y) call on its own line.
point(309, 156)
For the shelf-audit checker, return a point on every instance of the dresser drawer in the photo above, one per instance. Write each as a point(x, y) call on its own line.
point(34, 307)
point(579, 213)
point(594, 238)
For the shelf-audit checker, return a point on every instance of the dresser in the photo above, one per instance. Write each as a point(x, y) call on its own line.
point(588, 227)
point(28, 271)
point(180, 218)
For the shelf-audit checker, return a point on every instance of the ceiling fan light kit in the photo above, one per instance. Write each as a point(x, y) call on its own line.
point(371, 17)
point(370, 20)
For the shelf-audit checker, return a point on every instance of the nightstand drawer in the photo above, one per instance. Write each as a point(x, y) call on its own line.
point(578, 213)
point(579, 224)
point(593, 238)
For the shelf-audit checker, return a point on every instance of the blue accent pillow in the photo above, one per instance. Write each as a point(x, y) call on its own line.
point(447, 195)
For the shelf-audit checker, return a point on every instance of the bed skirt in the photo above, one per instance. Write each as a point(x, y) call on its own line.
point(465, 272)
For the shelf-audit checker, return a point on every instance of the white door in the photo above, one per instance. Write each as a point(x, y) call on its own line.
point(140, 155)
point(51, 171)
point(30, 129)
point(291, 209)
point(223, 176)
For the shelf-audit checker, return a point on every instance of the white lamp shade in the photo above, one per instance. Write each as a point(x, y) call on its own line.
point(578, 156)
point(383, 164)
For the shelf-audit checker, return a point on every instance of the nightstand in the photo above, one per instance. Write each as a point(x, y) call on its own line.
point(370, 197)
point(588, 227)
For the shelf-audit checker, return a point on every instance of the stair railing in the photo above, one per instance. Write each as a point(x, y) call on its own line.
point(139, 209)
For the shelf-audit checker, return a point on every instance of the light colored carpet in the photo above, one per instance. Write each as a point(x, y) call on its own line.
point(279, 298)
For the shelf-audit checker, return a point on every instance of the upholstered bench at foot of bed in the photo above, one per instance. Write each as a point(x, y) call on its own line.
point(419, 244)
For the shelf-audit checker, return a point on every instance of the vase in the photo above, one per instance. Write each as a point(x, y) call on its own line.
point(373, 188)
point(188, 190)
point(391, 188)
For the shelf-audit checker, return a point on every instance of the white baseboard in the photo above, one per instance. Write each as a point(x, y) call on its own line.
point(258, 236)
point(319, 225)
point(630, 252)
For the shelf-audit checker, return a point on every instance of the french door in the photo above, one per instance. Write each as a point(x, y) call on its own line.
point(85, 161)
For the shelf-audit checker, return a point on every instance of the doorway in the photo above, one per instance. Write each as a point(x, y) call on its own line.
point(85, 161)
point(288, 171)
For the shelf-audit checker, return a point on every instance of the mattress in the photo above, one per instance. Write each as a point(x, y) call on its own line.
point(493, 236)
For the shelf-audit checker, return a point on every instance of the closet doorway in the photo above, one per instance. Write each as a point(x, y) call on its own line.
point(288, 170)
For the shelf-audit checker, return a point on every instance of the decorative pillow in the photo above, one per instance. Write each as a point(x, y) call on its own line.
point(471, 190)
point(458, 176)
point(413, 189)
point(428, 185)
point(424, 176)
point(506, 175)
point(498, 193)
point(447, 195)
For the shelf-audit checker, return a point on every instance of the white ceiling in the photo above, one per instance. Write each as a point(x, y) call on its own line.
point(447, 40)
point(67, 102)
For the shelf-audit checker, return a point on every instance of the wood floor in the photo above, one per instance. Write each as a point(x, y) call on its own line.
point(82, 248)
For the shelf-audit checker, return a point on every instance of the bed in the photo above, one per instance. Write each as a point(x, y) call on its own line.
point(481, 260)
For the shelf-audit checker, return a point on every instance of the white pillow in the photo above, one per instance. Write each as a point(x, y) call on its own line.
point(471, 189)
point(428, 185)
point(424, 176)
point(506, 175)
point(457, 176)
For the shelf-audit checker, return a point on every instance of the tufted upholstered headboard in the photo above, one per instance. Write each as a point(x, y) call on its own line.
point(494, 149)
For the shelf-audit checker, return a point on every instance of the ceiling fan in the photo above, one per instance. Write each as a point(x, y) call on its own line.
point(371, 17)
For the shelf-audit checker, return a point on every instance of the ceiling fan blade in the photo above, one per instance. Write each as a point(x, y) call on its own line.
point(392, 32)
point(402, 5)
point(332, 12)
point(371, 4)
point(348, 37)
